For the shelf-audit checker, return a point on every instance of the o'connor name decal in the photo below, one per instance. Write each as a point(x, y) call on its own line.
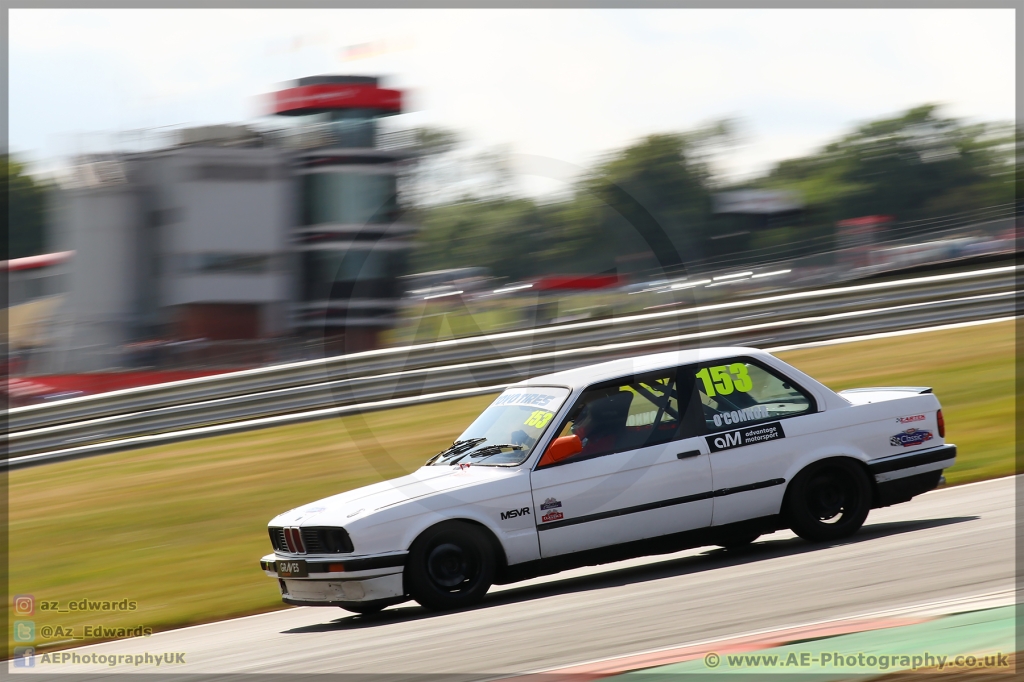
point(747, 414)
point(748, 436)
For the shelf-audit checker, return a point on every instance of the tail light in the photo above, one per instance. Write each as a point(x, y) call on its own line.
point(942, 424)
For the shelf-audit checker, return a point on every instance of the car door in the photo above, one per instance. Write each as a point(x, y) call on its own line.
point(755, 419)
point(644, 470)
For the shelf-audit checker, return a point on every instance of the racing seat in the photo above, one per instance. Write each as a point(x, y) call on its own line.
point(602, 422)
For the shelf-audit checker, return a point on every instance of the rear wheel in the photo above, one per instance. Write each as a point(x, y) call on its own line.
point(828, 500)
point(450, 566)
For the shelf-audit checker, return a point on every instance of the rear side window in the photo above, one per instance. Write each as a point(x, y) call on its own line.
point(738, 392)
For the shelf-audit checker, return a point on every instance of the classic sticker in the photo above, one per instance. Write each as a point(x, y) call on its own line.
point(550, 503)
point(748, 436)
point(910, 437)
point(552, 516)
point(911, 419)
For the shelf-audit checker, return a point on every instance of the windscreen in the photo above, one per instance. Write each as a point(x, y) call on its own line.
point(505, 433)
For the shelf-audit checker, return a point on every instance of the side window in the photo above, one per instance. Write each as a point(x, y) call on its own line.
point(739, 392)
point(630, 413)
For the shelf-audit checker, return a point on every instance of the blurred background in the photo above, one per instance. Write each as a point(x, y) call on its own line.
point(275, 186)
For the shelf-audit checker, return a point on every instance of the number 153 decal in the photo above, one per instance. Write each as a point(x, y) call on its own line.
point(725, 379)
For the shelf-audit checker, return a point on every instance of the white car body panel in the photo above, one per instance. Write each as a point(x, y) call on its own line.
point(693, 483)
point(625, 480)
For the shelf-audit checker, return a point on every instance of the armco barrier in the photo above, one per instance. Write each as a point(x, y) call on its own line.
point(492, 346)
point(474, 362)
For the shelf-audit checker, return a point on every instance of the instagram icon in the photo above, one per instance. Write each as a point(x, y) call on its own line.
point(24, 604)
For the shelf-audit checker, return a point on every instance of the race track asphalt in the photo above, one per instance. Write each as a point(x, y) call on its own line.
point(950, 543)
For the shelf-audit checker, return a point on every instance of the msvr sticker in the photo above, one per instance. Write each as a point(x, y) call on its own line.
point(525, 511)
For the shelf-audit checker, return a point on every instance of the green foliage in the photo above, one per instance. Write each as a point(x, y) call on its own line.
point(650, 203)
point(515, 238)
point(913, 166)
point(653, 197)
point(25, 204)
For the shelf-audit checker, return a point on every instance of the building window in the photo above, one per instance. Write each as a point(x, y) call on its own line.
point(226, 263)
point(348, 198)
point(340, 275)
point(233, 173)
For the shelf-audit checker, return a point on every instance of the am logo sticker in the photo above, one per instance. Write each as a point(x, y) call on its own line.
point(751, 435)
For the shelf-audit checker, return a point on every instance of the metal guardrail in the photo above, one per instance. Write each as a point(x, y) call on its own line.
point(503, 358)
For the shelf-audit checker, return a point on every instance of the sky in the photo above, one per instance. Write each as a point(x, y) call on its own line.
point(556, 89)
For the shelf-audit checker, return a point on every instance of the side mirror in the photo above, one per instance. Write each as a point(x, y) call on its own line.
point(561, 448)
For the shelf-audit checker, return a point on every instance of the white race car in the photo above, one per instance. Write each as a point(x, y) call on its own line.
point(626, 458)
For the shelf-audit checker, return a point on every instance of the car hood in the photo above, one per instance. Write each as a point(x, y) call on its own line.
point(424, 482)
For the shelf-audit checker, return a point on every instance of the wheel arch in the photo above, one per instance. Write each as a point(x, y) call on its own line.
point(804, 466)
point(496, 546)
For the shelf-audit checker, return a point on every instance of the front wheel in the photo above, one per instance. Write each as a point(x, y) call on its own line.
point(450, 566)
point(828, 500)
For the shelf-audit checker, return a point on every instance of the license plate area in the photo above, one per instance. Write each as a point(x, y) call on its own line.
point(292, 568)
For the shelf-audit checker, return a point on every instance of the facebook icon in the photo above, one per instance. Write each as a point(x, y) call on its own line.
point(24, 657)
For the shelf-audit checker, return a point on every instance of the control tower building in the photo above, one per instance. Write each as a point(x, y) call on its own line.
point(350, 237)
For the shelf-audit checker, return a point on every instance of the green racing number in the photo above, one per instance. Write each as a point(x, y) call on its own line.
point(723, 379)
point(539, 418)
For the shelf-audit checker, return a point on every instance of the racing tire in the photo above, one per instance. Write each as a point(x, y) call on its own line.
point(828, 500)
point(450, 566)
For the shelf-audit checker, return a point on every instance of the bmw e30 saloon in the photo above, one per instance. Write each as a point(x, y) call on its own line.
point(626, 458)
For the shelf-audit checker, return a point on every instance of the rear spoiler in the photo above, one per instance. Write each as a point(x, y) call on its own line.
point(901, 389)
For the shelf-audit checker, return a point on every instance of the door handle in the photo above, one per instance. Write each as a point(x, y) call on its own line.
point(688, 454)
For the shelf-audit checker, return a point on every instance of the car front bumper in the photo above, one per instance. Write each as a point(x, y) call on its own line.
point(339, 582)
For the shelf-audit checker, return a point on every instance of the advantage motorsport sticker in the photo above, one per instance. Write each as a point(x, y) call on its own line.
point(910, 437)
point(748, 436)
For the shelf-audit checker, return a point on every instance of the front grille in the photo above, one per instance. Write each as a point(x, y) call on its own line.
point(326, 540)
point(316, 541)
point(277, 539)
point(311, 538)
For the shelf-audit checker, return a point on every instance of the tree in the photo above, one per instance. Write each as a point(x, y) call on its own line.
point(649, 205)
point(912, 166)
point(25, 203)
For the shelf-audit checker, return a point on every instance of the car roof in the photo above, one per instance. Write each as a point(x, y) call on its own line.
point(590, 374)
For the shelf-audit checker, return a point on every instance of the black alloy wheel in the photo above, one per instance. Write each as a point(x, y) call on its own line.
point(828, 500)
point(450, 566)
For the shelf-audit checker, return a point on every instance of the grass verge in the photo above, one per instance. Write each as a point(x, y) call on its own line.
point(179, 528)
